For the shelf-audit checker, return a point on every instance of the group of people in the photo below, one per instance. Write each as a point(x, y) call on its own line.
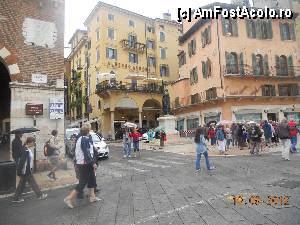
point(255, 135)
point(131, 139)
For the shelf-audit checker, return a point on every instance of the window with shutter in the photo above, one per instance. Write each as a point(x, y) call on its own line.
point(266, 66)
point(258, 29)
point(209, 35)
point(283, 66)
point(269, 30)
point(254, 67)
point(264, 30)
point(196, 74)
point(281, 31)
point(194, 46)
point(224, 30)
point(292, 31)
point(232, 64)
point(202, 39)
point(241, 64)
point(290, 66)
point(203, 69)
point(277, 66)
point(248, 31)
point(234, 27)
point(208, 67)
point(286, 31)
point(191, 78)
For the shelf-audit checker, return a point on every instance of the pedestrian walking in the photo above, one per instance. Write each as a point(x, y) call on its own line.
point(221, 139)
point(17, 147)
point(284, 135)
point(293, 137)
point(255, 137)
point(201, 149)
point(126, 143)
point(53, 154)
point(86, 165)
point(135, 136)
point(162, 138)
point(233, 129)
point(24, 171)
point(212, 135)
point(240, 136)
point(267, 132)
point(228, 137)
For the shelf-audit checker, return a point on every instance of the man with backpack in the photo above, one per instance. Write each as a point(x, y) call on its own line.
point(284, 135)
point(53, 154)
point(255, 137)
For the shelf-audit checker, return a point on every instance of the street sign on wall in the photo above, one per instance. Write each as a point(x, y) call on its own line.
point(56, 108)
point(39, 78)
point(34, 109)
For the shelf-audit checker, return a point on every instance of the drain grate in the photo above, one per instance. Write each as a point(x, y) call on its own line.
point(287, 183)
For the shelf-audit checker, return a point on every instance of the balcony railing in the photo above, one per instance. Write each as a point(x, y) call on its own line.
point(248, 71)
point(133, 46)
point(103, 88)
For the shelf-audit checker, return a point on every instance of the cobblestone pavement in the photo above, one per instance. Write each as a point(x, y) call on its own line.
point(163, 188)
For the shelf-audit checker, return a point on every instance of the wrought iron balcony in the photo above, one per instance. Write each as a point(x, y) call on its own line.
point(133, 46)
point(102, 89)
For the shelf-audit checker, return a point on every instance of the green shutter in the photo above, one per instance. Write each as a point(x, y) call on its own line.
point(266, 66)
point(189, 49)
point(194, 46)
point(202, 40)
point(191, 78)
point(224, 31)
point(295, 89)
point(227, 55)
point(273, 90)
point(281, 31)
point(234, 27)
point(209, 35)
point(292, 31)
point(277, 65)
point(255, 72)
point(258, 29)
point(290, 66)
point(241, 64)
point(263, 90)
point(269, 29)
point(196, 75)
point(247, 22)
point(208, 68)
point(203, 69)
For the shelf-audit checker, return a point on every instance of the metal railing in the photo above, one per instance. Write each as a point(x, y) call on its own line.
point(133, 46)
point(103, 88)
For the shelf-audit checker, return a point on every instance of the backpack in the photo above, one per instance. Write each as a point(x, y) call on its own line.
point(48, 151)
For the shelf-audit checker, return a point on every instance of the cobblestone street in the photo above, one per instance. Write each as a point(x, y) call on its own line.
point(163, 188)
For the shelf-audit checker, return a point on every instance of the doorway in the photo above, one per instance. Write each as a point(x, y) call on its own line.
point(4, 113)
point(272, 116)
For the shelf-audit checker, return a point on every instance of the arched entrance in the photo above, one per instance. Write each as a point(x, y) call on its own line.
point(5, 101)
point(151, 111)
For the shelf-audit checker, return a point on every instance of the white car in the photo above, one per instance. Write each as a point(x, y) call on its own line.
point(145, 137)
point(100, 145)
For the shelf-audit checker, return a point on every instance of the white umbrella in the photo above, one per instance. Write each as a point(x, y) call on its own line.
point(135, 77)
point(129, 125)
point(153, 80)
point(105, 76)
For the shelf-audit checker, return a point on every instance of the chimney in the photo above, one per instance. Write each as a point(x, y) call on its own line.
point(167, 16)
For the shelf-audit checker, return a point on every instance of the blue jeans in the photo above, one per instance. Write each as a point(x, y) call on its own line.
point(213, 141)
point(127, 148)
point(198, 158)
point(136, 146)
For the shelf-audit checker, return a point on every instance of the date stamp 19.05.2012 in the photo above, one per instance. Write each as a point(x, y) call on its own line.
point(272, 200)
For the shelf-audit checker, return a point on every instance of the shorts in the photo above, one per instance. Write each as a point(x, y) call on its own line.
point(53, 160)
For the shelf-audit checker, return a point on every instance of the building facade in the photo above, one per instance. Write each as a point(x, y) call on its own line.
point(127, 58)
point(237, 70)
point(32, 67)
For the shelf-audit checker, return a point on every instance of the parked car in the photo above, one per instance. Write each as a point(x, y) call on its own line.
point(100, 145)
point(70, 140)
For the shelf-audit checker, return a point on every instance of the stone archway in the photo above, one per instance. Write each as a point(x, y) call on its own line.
point(10, 61)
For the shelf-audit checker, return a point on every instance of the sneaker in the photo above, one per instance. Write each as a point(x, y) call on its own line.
point(43, 196)
point(124, 156)
point(95, 200)
point(198, 170)
point(18, 200)
point(211, 168)
point(68, 202)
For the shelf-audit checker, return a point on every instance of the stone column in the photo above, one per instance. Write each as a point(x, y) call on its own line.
point(185, 123)
point(264, 115)
point(112, 119)
point(140, 120)
point(280, 115)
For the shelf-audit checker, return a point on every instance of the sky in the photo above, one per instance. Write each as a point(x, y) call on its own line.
point(78, 10)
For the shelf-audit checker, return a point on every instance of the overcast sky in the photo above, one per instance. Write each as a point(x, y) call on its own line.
point(78, 10)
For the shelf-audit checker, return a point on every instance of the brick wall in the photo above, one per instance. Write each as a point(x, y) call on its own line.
point(38, 56)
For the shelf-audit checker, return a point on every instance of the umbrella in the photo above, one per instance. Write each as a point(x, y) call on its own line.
point(224, 122)
point(129, 125)
point(153, 80)
point(105, 76)
point(135, 77)
point(292, 123)
point(24, 130)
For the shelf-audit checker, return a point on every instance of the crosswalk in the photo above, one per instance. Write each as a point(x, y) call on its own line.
point(140, 165)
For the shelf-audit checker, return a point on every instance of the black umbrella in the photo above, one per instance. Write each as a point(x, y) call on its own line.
point(24, 130)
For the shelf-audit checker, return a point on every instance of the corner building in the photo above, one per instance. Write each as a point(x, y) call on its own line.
point(126, 59)
point(31, 67)
point(237, 69)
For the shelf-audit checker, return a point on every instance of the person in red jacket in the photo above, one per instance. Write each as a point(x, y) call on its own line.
point(135, 135)
point(212, 135)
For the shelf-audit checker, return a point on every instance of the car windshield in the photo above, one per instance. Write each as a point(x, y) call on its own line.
point(70, 132)
point(95, 138)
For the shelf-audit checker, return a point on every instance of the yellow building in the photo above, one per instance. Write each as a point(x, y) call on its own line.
point(237, 69)
point(129, 56)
